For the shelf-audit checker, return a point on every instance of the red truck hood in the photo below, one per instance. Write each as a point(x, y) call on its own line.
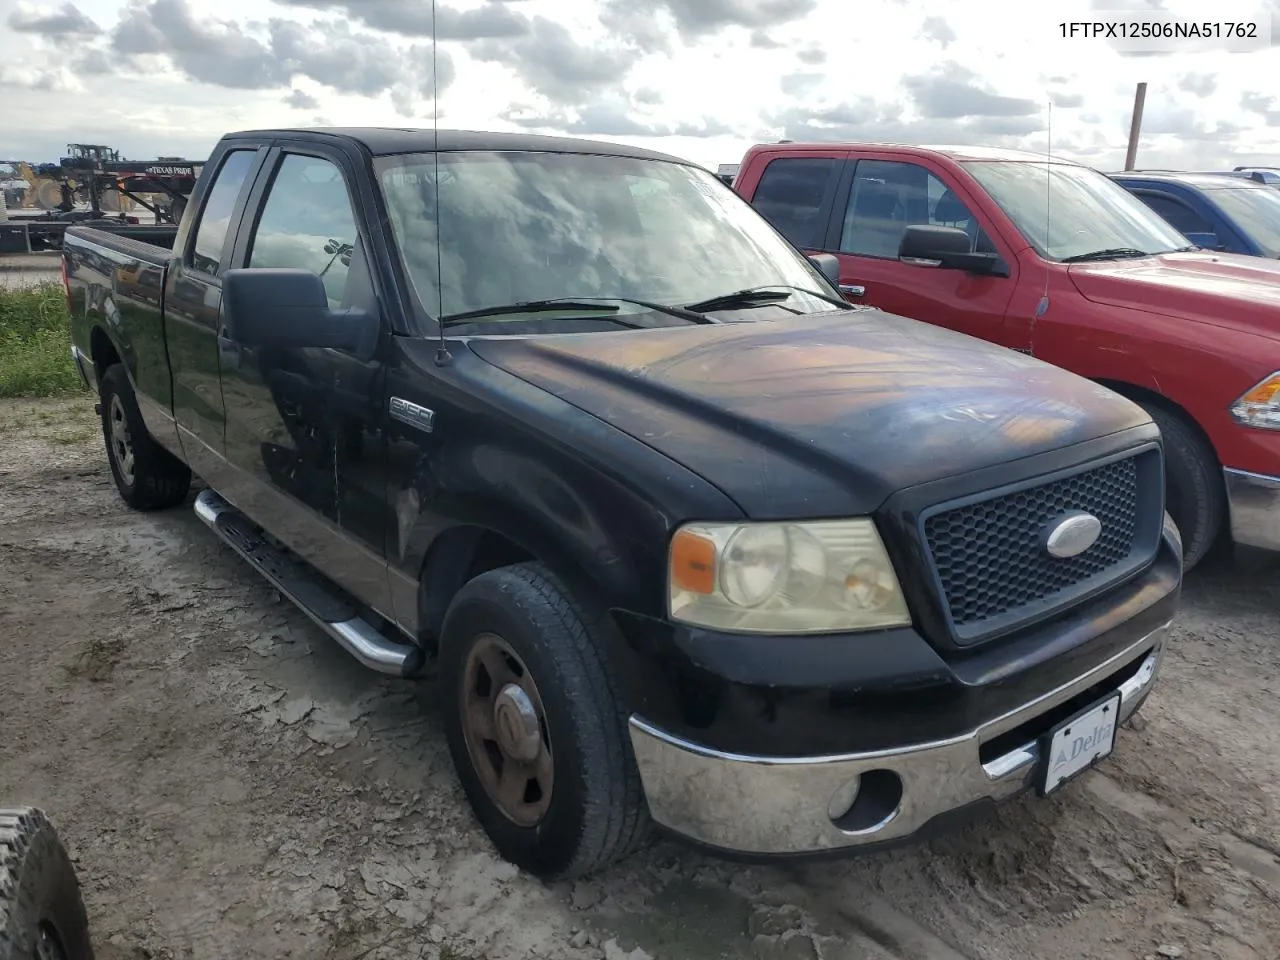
point(1222, 289)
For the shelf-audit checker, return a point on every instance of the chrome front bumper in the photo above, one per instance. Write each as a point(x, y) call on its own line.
point(771, 805)
point(1254, 502)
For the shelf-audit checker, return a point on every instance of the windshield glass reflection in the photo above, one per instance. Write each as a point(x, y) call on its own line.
point(1066, 210)
point(535, 226)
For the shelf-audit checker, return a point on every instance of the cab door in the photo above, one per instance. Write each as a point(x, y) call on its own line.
point(192, 299)
point(877, 200)
point(304, 427)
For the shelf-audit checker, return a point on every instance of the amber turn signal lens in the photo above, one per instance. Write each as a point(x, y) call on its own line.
point(693, 563)
point(1263, 393)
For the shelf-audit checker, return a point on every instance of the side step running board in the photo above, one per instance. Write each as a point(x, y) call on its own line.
point(313, 595)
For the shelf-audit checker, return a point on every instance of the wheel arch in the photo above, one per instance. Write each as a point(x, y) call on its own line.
point(102, 351)
point(1145, 395)
point(466, 551)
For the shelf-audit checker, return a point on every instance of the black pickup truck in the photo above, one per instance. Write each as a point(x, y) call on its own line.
point(686, 538)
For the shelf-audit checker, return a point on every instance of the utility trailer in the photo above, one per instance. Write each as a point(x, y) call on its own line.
point(94, 186)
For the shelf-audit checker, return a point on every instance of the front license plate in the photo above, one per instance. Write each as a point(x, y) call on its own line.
point(1077, 744)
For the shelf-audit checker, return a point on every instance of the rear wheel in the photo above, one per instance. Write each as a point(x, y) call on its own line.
point(148, 476)
point(1194, 494)
point(535, 725)
point(42, 915)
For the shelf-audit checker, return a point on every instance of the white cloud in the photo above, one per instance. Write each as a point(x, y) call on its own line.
point(698, 78)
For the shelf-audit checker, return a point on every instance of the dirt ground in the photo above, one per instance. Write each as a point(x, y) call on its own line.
point(233, 785)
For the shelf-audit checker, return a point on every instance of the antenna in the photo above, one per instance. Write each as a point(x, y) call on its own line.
point(1043, 306)
point(442, 349)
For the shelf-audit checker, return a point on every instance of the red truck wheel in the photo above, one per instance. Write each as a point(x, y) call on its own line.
point(1193, 485)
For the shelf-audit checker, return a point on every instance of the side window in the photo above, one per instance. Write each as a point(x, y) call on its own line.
point(887, 196)
point(215, 218)
point(1178, 214)
point(790, 194)
point(307, 223)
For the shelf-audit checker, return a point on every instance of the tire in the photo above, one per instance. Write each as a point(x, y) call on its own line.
point(154, 479)
point(42, 912)
point(1194, 494)
point(595, 813)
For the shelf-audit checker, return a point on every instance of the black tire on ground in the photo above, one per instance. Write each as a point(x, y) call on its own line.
point(153, 479)
point(596, 814)
point(1194, 494)
point(41, 909)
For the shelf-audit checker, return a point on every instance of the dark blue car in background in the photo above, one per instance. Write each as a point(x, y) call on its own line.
point(1217, 211)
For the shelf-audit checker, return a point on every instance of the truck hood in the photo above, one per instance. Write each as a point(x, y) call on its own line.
point(824, 415)
point(1202, 286)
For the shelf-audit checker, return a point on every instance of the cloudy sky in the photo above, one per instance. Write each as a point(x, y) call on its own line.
point(702, 79)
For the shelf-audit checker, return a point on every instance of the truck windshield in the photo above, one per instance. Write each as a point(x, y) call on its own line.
point(524, 227)
point(1256, 210)
point(1088, 215)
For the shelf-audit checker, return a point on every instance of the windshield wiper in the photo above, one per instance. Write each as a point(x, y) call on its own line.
point(585, 304)
point(1114, 253)
point(761, 296)
point(526, 306)
point(670, 309)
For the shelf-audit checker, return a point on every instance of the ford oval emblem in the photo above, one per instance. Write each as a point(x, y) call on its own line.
point(1071, 534)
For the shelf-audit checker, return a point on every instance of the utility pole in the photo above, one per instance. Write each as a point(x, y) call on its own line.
point(1135, 127)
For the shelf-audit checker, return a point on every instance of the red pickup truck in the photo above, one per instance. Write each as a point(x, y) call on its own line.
point(1051, 258)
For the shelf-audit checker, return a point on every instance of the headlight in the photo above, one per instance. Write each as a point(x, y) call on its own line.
point(1260, 407)
point(815, 577)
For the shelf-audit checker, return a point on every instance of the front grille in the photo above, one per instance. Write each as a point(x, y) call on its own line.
point(990, 561)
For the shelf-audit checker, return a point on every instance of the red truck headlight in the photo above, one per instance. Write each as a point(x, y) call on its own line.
point(1260, 405)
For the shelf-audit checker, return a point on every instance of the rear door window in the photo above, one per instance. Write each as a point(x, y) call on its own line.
point(792, 195)
point(1179, 215)
point(215, 218)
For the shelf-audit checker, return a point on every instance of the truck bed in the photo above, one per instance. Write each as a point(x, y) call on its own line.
point(115, 283)
point(152, 244)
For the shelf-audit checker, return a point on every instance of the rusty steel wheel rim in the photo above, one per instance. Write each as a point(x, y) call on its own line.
point(505, 728)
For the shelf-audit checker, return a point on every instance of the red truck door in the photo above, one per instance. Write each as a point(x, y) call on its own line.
point(877, 199)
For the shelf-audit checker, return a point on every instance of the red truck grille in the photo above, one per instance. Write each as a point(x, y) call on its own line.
point(988, 554)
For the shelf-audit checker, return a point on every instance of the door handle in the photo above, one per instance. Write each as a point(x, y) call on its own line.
point(853, 289)
point(229, 352)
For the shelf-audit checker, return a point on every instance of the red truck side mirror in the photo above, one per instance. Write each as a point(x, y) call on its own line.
point(926, 245)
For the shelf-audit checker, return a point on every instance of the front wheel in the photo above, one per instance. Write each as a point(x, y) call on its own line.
point(535, 726)
point(42, 915)
point(1194, 494)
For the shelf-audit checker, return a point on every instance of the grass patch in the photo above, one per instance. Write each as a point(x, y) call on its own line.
point(35, 347)
point(66, 421)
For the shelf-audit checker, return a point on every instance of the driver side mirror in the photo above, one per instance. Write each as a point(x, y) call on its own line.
point(829, 265)
point(926, 245)
point(286, 308)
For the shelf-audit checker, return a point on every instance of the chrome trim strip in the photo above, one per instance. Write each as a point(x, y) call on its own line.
point(699, 792)
point(1253, 500)
point(355, 636)
point(83, 366)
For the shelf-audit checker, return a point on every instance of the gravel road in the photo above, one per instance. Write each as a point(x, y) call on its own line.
point(235, 786)
point(24, 270)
